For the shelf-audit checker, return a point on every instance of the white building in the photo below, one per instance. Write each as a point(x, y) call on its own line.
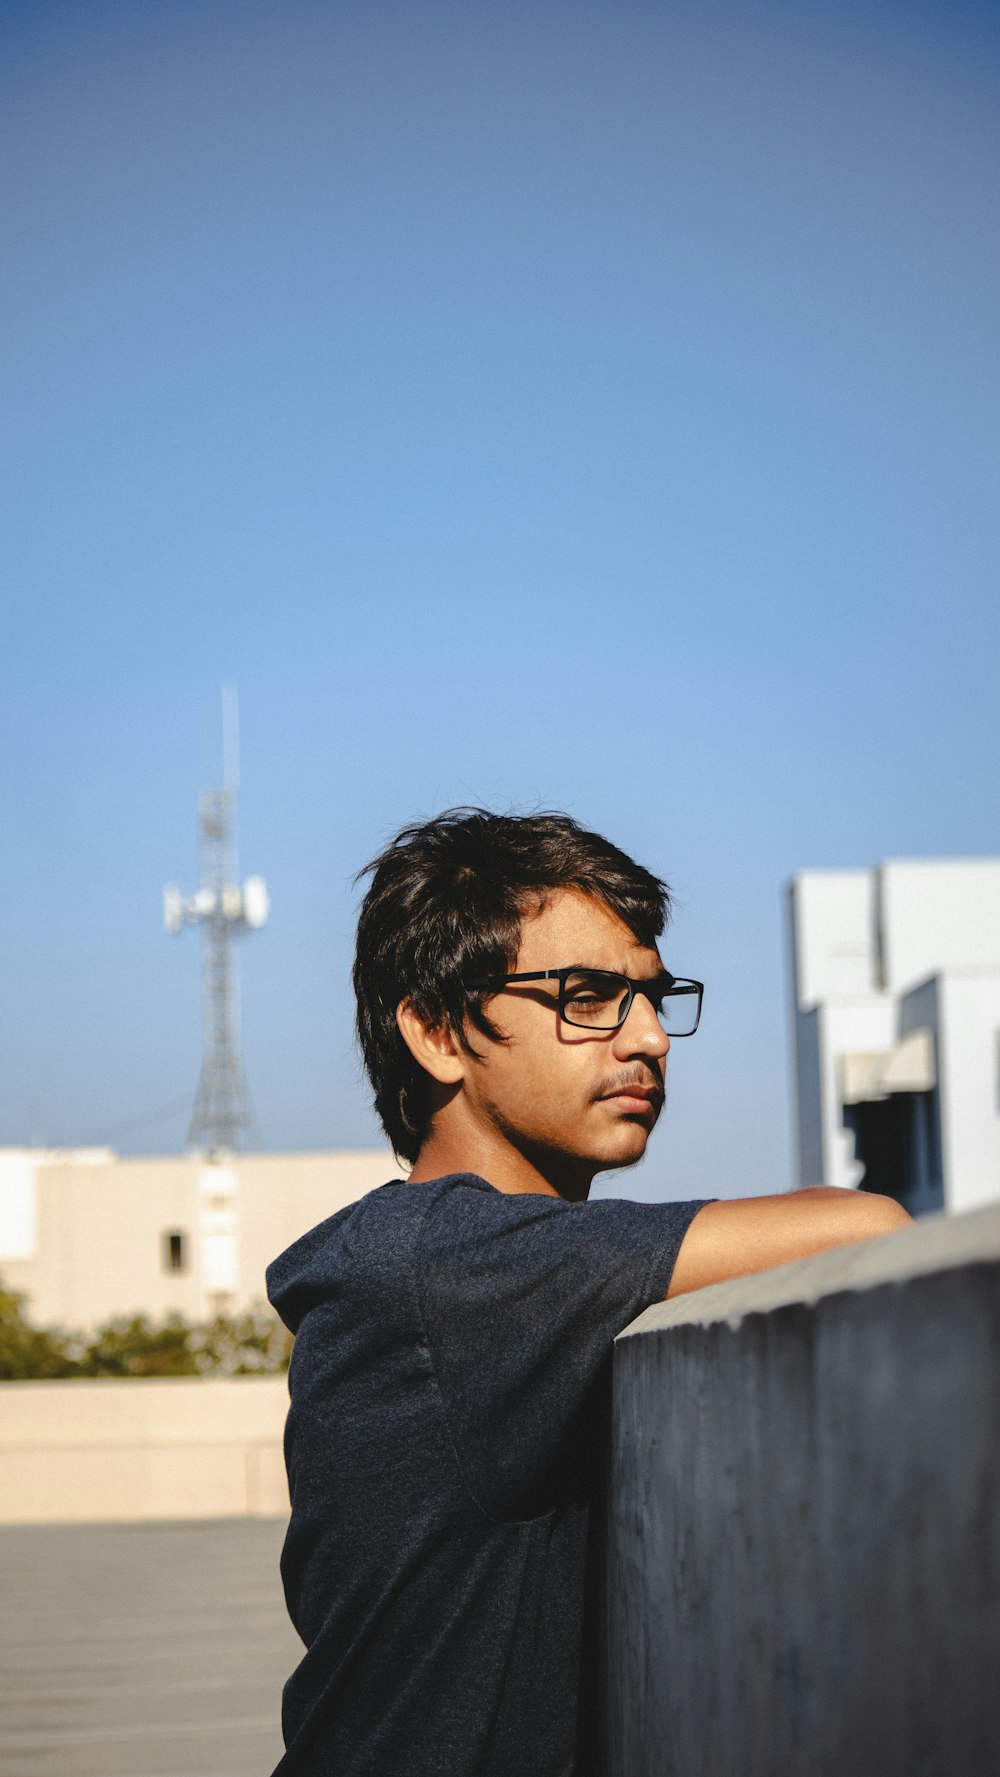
point(86, 1235)
point(896, 1015)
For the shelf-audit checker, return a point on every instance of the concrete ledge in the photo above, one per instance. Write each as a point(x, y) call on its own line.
point(120, 1451)
point(804, 1519)
point(935, 1243)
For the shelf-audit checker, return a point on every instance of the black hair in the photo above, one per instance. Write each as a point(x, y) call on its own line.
point(444, 907)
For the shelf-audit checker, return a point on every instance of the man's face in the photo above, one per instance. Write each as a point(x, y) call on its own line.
point(555, 1089)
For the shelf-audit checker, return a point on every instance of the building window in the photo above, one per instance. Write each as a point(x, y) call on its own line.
point(174, 1251)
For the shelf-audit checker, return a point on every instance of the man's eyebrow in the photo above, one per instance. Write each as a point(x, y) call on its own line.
point(607, 969)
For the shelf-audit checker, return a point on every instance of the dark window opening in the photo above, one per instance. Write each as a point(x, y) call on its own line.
point(175, 1251)
point(897, 1140)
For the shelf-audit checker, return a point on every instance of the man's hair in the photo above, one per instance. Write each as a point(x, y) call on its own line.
point(444, 907)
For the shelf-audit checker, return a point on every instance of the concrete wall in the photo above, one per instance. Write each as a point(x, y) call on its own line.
point(864, 947)
point(833, 918)
point(73, 1452)
point(804, 1529)
point(807, 1061)
point(969, 1042)
point(937, 914)
point(845, 1026)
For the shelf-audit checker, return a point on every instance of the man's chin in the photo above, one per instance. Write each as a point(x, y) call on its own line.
point(628, 1147)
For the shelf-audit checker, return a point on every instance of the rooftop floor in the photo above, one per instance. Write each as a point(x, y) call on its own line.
point(142, 1650)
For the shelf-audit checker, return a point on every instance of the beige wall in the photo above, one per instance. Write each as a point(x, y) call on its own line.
point(283, 1196)
point(73, 1452)
point(90, 1242)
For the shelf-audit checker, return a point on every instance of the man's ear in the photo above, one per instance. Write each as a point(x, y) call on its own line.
point(434, 1047)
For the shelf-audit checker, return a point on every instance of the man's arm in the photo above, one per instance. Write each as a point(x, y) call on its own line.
point(753, 1233)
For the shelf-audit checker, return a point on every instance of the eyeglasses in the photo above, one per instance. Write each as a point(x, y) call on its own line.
point(599, 999)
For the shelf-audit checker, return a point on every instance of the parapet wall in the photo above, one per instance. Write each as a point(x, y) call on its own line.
point(114, 1451)
point(804, 1527)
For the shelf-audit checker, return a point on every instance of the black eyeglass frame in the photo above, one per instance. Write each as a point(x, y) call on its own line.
point(651, 987)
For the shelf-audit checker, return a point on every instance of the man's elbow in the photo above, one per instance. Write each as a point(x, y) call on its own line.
point(864, 1213)
point(882, 1215)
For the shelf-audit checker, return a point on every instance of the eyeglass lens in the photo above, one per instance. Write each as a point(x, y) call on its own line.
point(598, 998)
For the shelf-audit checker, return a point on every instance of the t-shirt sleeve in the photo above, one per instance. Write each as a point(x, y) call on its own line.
point(521, 1298)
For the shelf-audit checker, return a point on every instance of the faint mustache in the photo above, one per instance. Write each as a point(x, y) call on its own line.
point(621, 1082)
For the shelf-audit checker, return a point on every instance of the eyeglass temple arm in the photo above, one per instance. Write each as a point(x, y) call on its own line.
point(532, 975)
point(577, 968)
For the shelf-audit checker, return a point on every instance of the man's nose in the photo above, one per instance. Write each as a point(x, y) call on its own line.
point(641, 1034)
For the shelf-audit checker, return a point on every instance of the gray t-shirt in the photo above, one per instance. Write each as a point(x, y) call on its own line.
point(445, 1447)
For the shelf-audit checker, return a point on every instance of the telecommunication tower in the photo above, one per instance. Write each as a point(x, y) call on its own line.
point(224, 911)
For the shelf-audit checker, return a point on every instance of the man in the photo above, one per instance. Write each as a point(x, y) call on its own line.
point(453, 1331)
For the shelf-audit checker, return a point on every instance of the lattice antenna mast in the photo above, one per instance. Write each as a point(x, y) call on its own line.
point(224, 911)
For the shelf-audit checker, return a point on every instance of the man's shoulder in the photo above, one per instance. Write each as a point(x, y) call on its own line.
point(313, 1263)
point(369, 1242)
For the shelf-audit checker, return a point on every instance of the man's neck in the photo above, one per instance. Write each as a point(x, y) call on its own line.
point(490, 1156)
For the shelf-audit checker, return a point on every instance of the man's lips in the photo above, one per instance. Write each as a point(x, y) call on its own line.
point(637, 1098)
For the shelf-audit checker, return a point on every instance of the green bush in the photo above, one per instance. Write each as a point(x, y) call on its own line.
point(132, 1345)
point(250, 1344)
point(27, 1351)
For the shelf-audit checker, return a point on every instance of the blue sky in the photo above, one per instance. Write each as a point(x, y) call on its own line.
point(587, 406)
